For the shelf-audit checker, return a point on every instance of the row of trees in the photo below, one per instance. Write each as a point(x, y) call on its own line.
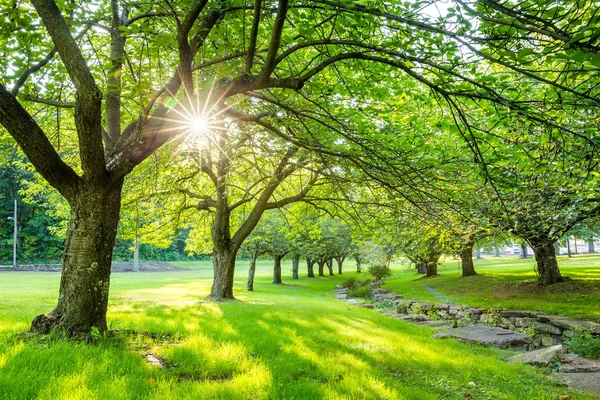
point(304, 101)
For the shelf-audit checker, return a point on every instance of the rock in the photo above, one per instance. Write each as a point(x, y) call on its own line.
point(573, 324)
point(550, 340)
point(579, 364)
point(341, 296)
point(587, 382)
point(546, 328)
point(487, 336)
point(453, 310)
point(443, 307)
point(437, 324)
point(415, 317)
point(398, 296)
point(539, 358)
point(379, 291)
point(341, 291)
point(154, 361)
point(522, 322)
point(513, 314)
point(352, 302)
point(367, 305)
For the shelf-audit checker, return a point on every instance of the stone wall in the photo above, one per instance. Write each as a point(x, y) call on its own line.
point(545, 329)
point(33, 267)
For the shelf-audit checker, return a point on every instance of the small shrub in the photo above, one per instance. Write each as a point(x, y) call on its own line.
point(380, 271)
point(386, 304)
point(363, 292)
point(584, 343)
point(350, 283)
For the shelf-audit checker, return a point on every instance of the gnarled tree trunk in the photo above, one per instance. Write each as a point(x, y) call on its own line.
point(358, 262)
point(466, 260)
point(545, 257)
point(295, 265)
point(87, 257)
point(421, 267)
point(277, 269)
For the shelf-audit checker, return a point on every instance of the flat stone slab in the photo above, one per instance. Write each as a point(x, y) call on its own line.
point(487, 336)
point(541, 357)
point(352, 302)
point(586, 382)
point(579, 364)
point(341, 296)
point(415, 317)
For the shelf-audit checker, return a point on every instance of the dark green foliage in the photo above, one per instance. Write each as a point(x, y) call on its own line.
point(35, 242)
point(350, 283)
point(380, 271)
point(361, 291)
point(584, 343)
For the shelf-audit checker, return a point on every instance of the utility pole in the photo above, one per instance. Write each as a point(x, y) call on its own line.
point(15, 237)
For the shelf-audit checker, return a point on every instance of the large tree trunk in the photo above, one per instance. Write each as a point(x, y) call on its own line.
point(277, 270)
point(330, 266)
point(251, 272)
point(547, 266)
point(295, 265)
point(466, 260)
point(432, 268)
point(591, 246)
point(321, 264)
point(87, 257)
point(223, 268)
point(421, 267)
point(310, 265)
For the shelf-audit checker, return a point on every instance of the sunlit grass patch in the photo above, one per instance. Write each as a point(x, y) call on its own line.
point(279, 342)
point(510, 282)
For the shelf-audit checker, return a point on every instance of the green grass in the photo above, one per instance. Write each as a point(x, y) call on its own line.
point(279, 342)
point(509, 282)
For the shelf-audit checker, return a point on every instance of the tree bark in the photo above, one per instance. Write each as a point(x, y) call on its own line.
point(330, 266)
point(421, 267)
point(340, 261)
point(321, 264)
point(310, 264)
point(547, 266)
point(358, 263)
point(569, 247)
point(432, 268)
point(591, 246)
point(277, 270)
point(223, 267)
point(251, 272)
point(295, 264)
point(466, 260)
point(87, 258)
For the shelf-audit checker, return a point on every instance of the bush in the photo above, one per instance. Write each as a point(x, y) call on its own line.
point(363, 292)
point(380, 271)
point(584, 343)
point(350, 283)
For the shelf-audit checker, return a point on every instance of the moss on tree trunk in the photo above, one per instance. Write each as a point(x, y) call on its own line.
point(87, 258)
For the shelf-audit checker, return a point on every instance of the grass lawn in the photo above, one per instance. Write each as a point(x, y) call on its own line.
point(509, 282)
point(280, 342)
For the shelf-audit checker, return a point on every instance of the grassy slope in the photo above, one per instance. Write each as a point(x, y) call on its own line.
point(510, 282)
point(280, 342)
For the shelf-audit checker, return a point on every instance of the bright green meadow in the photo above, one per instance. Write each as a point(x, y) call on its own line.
point(292, 341)
point(509, 282)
